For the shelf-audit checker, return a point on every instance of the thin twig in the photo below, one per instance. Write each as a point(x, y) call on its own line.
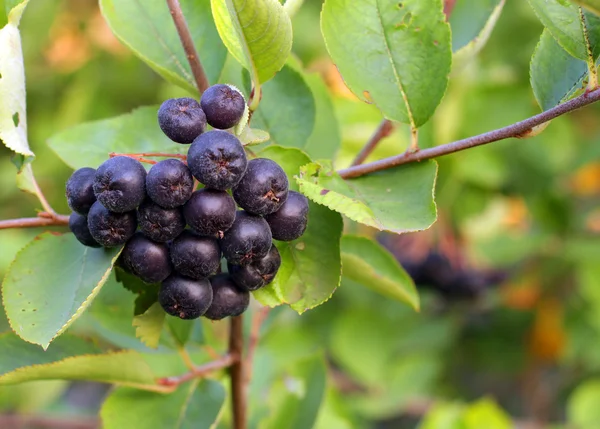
point(149, 155)
point(34, 222)
point(18, 421)
point(259, 317)
point(43, 201)
point(384, 129)
point(199, 371)
point(448, 6)
point(238, 385)
point(188, 45)
point(514, 130)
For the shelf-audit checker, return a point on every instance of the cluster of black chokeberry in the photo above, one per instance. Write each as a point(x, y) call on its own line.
point(120, 204)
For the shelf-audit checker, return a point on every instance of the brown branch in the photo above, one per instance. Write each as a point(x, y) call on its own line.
point(18, 421)
point(199, 371)
point(384, 129)
point(448, 6)
point(515, 130)
point(188, 45)
point(257, 321)
point(238, 385)
point(34, 222)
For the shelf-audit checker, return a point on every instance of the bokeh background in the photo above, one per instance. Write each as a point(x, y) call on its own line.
point(509, 331)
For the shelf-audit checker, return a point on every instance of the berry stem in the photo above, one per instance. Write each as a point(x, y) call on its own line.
point(384, 129)
point(199, 371)
point(514, 130)
point(188, 45)
point(238, 385)
point(34, 222)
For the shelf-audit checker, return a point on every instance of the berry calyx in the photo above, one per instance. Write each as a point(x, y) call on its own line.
point(120, 184)
point(258, 274)
point(181, 119)
point(223, 105)
point(80, 190)
point(248, 239)
point(146, 259)
point(160, 224)
point(263, 189)
point(228, 300)
point(210, 212)
point(108, 228)
point(184, 297)
point(289, 222)
point(79, 227)
point(169, 183)
point(217, 159)
point(195, 256)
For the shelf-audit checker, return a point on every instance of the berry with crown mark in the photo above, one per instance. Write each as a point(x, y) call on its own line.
point(160, 224)
point(223, 105)
point(181, 119)
point(195, 256)
point(259, 273)
point(146, 259)
point(120, 184)
point(184, 297)
point(263, 189)
point(289, 222)
point(108, 228)
point(169, 183)
point(210, 212)
point(247, 240)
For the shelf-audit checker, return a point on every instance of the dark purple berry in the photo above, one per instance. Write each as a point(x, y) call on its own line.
point(263, 189)
point(181, 119)
point(79, 227)
point(195, 256)
point(210, 212)
point(247, 240)
point(289, 222)
point(184, 297)
point(258, 274)
point(120, 184)
point(228, 300)
point(108, 228)
point(146, 259)
point(160, 224)
point(80, 190)
point(169, 183)
point(217, 159)
point(223, 105)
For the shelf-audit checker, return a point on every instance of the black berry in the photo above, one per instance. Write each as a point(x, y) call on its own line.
point(228, 300)
point(184, 297)
point(247, 240)
point(289, 222)
point(79, 227)
point(259, 273)
point(108, 228)
point(263, 189)
point(210, 212)
point(217, 159)
point(195, 256)
point(120, 184)
point(146, 259)
point(160, 224)
point(169, 183)
point(80, 190)
point(223, 105)
point(181, 119)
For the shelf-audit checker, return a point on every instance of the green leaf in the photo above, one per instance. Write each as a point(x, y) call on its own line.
point(592, 5)
point(443, 415)
point(296, 396)
point(326, 139)
point(310, 267)
point(396, 200)
point(582, 408)
point(44, 297)
point(195, 405)
point(180, 329)
point(251, 136)
point(366, 262)
point(563, 21)
point(147, 28)
point(133, 132)
point(551, 88)
point(258, 33)
point(72, 358)
point(395, 54)
point(148, 326)
point(287, 109)
point(486, 410)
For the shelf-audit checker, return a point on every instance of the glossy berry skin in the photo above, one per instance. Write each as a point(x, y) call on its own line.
point(184, 297)
point(223, 105)
point(120, 184)
point(108, 228)
point(146, 259)
point(217, 159)
point(289, 222)
point(228, 299)
point(169, 183)
point(80, 190)
point(263, 189)
point(181, 119)
point(159, 224)
point(209, 212)
point(247, 240)
point(258, 274)
point(79, 227)
point(195, 256)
